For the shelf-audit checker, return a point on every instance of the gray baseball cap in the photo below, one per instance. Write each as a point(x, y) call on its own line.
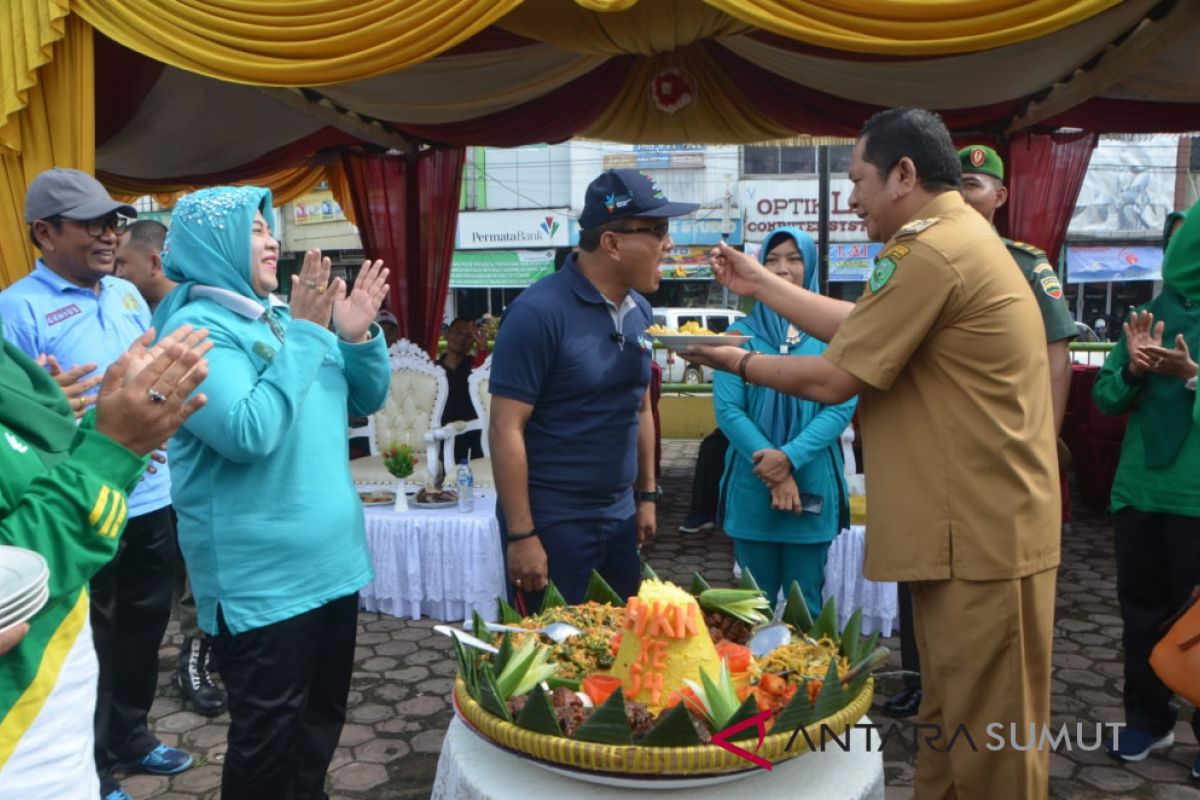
point(70, 194)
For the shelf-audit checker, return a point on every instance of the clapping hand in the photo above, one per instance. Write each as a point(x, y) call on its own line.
point(1177, 361)
point(353, 314)
point(313, 297)
point(74, 385)
point(1141, 333)
point(143, 412)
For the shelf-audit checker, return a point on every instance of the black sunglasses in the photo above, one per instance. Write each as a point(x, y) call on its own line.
point(659, 231)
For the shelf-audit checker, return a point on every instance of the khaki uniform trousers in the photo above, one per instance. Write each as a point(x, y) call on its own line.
point(985, 658)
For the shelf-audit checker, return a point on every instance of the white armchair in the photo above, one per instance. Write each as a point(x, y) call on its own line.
point(481, 399)
point(414, 408)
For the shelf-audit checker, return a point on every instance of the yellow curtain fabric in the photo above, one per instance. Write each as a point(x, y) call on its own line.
point(294, 43)
point(715, 116)
point(56, 128)
point(911, 27)
point(645, 28)
point(28, 31)
point(285, 185)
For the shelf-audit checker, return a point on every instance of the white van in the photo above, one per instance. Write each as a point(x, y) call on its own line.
point(675, 369)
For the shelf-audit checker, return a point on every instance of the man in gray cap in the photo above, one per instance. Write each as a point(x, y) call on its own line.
point(71, 307)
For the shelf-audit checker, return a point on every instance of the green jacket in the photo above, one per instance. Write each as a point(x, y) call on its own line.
point(1173, 489)
point(66, 501)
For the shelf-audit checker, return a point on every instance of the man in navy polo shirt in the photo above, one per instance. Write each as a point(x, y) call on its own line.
point(572, 436)
point(71, 307)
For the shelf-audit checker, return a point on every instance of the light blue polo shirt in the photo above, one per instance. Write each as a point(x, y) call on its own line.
point(45, 313)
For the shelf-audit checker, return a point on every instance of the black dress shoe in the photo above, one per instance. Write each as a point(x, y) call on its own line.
point(904, 704)
point(194, 677)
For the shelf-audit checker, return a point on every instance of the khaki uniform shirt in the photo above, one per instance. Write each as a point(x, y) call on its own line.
point(961, 465)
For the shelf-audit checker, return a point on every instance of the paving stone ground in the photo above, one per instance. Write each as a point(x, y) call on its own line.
point(403, 675)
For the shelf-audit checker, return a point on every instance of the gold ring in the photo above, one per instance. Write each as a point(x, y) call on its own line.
point(319, 289)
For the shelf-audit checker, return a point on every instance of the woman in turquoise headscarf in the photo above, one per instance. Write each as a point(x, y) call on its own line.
point(270, 524)
point(1156, 491)
point(783, 450)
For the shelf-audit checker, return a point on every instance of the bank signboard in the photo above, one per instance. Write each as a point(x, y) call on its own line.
point(494, 230)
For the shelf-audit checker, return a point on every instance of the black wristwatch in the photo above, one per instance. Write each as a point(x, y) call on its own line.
point(649, 497)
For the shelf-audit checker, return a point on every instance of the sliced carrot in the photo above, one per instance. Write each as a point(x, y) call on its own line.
point(615, 644)
point(737, 656)
point(600, 687)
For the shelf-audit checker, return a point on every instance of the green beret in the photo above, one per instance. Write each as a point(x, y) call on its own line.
point(982, 160)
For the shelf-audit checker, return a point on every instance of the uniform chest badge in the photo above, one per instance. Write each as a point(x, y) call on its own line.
point(916, 226)
point(264, 351)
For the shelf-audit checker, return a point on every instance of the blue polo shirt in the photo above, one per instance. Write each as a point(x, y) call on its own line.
point(45, 313)
point(583, 364)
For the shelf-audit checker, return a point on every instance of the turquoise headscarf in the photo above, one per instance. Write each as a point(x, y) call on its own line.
point(208, 244)
point(762, 321)
point(781, 416)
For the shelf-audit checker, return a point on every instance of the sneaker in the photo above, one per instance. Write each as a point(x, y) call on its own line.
point(1136, 744)
point(118, 794)
point(194, 677)
point(696, 523)
point(162, 760)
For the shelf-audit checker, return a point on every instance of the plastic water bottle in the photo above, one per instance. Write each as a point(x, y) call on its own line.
point(466, 487)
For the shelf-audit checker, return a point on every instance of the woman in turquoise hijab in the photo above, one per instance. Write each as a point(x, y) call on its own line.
point(784, 451)
point(1151, 374)
point(270, 524)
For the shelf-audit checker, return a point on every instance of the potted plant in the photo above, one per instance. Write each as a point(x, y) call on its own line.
point(400, 462)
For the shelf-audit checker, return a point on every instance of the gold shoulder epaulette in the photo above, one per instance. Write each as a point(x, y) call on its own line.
point(1033, 250)
point(915, 227)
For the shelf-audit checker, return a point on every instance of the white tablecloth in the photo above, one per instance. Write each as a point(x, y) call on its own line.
point(435, 563)
point(844, 582)
point(471, 769)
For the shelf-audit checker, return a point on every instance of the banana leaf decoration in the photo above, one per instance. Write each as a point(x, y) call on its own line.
point(826, 624)
point(648, 573)
point(747, 581)
point(608, 723)
point(851, 636)
point(674, 729)
point(746, 710)
point(467, 667)
point(500, 661)
point(551, 598)
point(599, 591)
point(538, 714)
point(795, 612)
point(506, 613)
point(489, 695)
point(479, 627)
point(698, 584)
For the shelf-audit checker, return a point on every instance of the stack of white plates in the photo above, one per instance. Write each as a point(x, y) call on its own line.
point(24, 579)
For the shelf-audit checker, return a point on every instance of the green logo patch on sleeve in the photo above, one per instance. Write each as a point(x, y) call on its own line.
point(884, 269)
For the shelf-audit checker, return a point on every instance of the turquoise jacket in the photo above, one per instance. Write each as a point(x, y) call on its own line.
point(270, 523)
point(757, 418)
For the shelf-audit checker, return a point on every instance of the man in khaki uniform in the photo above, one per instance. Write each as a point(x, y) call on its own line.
point(947, 354)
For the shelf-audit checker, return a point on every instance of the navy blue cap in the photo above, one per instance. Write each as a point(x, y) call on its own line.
point(623, 193)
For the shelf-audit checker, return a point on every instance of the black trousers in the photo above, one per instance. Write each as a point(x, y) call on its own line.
point(910, 659)
point(287, 685)
point(1158, 563)
point(130, 608)
point(706, 481)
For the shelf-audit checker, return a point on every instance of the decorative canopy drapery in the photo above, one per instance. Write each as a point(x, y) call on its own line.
point(189, 92)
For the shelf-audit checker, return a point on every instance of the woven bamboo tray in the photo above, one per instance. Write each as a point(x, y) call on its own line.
point(631, 760)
